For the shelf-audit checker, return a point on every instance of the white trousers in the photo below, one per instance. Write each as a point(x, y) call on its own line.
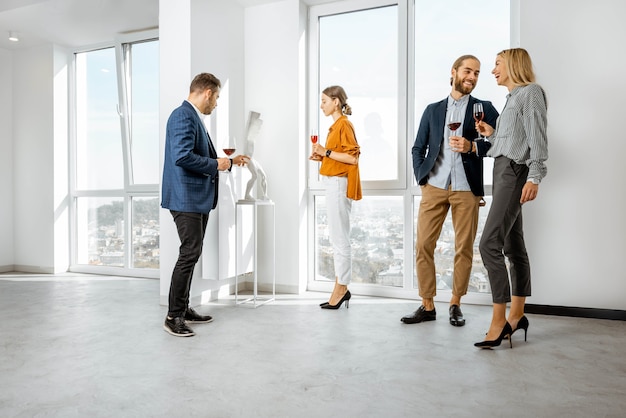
point(338, 208)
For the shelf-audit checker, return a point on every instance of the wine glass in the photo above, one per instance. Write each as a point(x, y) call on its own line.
point(478, 115)
point(314, 138)
point(230, 147)
point(454, 120)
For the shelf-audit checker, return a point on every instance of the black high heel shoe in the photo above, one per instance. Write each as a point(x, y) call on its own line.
point(345, 298)
point(506, 331)
point(521, 324)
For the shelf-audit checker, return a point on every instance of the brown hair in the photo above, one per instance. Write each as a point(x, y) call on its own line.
point(459, 61)
point(519, 66)
point(204, 81)
point(337, 92)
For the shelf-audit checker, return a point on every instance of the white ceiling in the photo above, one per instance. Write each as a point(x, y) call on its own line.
point(78, 23)
point(73, 23)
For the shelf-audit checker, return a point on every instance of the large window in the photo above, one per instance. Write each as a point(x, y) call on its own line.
point(393, 58)
point(116, 159)
point(98, 134)
point(359, 51)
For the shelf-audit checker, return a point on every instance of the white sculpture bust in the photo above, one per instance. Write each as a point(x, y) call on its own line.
point(256, 170)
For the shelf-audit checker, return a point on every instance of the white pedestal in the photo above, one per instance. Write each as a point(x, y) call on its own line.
point(269, 236)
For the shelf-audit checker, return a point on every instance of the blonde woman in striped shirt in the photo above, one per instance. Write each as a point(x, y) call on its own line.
point(520, 148)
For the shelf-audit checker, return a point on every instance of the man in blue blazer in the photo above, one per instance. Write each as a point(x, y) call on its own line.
point(189, 191)
point(449, 170)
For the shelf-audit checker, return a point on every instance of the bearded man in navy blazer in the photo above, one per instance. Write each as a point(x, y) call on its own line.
point(449, 170)
point(189, 191)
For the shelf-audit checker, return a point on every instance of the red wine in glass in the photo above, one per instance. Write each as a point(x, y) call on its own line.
point(454, 126)
point(314, 136)
point(478, 114)
point(229, 151)
point(454, 119)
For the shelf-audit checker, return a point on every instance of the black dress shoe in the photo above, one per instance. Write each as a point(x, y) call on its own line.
point(177, 327)
point(195, 317)
point(420, 315)
point(456, 316)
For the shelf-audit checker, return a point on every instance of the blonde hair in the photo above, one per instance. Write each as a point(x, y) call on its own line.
point(519, 66)
point(337, 92)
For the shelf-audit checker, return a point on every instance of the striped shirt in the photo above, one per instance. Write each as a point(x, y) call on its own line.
point(520, 133)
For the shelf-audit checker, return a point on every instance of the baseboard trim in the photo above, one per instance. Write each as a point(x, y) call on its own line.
point(7, 269)
point(20, 268)
point(614, 314)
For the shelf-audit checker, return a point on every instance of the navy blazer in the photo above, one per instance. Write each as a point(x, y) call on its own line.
point(430, 138)
point(190, 175)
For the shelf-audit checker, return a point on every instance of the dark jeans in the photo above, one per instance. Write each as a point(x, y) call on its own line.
point(191, 228)
point(503, 233)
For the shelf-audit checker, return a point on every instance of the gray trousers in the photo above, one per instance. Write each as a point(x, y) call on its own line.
point(503, 233)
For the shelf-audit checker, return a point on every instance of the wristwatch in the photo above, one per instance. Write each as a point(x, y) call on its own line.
point(533, 181)
point(328, 152)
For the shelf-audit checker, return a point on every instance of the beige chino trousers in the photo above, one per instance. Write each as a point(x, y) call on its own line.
point(432, 213)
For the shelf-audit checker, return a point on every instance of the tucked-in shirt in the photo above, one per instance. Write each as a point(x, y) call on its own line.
point(341, 138)
point(520, 133)
point(448, 169)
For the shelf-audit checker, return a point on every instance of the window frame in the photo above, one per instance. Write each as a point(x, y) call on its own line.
point(130, 190)
point(407, 187)
point(349, 6)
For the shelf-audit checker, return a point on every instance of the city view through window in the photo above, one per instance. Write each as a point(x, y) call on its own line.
point(104, 233)
point(377, 236)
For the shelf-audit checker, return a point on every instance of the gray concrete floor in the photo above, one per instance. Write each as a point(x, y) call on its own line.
point(91, 346)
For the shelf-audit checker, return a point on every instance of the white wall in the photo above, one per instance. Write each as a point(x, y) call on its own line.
point(217, 47)
point(275, 68)
point(174, 74)
point(33, 164)
point(575, 228)
point(61, 198)
point(6, 160)
point(233, 44)
point(204, 36)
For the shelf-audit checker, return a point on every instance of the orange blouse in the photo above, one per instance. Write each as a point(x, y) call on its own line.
point(341, 138)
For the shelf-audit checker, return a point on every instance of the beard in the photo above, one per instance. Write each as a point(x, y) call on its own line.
point(461, 88)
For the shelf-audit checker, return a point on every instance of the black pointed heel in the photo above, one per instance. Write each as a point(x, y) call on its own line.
point(522, 324)
point(506, 331)
point(345, 298)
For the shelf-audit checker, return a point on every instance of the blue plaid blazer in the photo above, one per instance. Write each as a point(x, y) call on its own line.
point(190, 175)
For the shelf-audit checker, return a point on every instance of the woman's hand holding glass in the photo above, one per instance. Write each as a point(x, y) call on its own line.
point(317, 152)
point(484, 128)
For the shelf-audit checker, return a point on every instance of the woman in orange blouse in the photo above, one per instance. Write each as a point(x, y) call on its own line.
point(340, 175)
